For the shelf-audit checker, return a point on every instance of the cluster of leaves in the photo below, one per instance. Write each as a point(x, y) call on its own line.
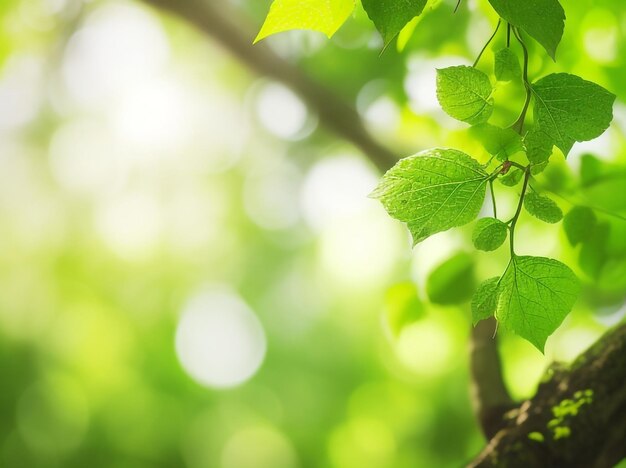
point(440, 189)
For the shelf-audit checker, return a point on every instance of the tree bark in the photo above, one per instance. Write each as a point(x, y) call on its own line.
point(576, 419)
point(490, 397)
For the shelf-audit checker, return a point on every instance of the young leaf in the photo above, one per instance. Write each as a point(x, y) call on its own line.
point(464, 93)
point(499, 142)
point(579, 224)
point(433, 191)
point(485, 300)
point(325, 16)
point(569, 109)
point(513, 177)
point(543, 20)
point(535, 296)
point(538, 146)
point(452, 282)
point(507, 67)
point(489, 234)
point(390, 16)
point(542, 208)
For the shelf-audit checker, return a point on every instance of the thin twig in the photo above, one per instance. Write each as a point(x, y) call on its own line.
point(518, 126)
point(487, 44)
point(515, 217)
point(493, 199)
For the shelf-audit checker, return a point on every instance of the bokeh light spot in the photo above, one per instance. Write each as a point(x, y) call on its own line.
point(281, 112)
point(219, 340)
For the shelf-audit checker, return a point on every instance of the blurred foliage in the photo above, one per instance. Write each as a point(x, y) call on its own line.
point(142, 167)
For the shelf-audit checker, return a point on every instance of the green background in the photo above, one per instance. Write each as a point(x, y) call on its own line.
point(142, 168)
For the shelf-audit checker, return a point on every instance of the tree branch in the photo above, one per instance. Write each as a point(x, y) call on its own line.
point(490, 397)
point(576, 419)
point(334, 113)
point(490, 394)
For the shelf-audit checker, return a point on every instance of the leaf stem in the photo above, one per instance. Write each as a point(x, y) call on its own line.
point(493, 199)
point(508, 35)
point(487, 43)
point(518, 165)
point(515, 217)
point(518, 126)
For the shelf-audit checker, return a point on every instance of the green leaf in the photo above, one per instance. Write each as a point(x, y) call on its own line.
point(579, 224)
point(507, 65)
point(593, 254)
point(499, 142)
point(465, 94)
point(402, 306)
point(452, 282)
point(535, 296)
point(489, 234)
point(603, 183)
point(593, 170)
point(325, 16)
point(542, 208)
point(569, 109)
point(485, 300)
point(390, 16)
point(433, 191)
point(538, 146)
point(543, 20)
point(512, 178)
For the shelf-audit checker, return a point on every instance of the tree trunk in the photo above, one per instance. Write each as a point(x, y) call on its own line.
point(576, 419)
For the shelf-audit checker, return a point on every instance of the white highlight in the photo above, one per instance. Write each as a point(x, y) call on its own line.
point(335, 189)
point(154, 117)
point(119, 47)
point(271, 196)
point(219, 341)
point(83, 158)
point(20, 91)
point(131, 225)
point(281, 112)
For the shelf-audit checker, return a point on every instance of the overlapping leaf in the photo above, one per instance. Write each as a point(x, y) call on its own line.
point(485, 300)
point(499, 142)
point(539, 145)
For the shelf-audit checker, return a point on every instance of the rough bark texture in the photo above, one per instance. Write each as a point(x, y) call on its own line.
point(576, 419)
